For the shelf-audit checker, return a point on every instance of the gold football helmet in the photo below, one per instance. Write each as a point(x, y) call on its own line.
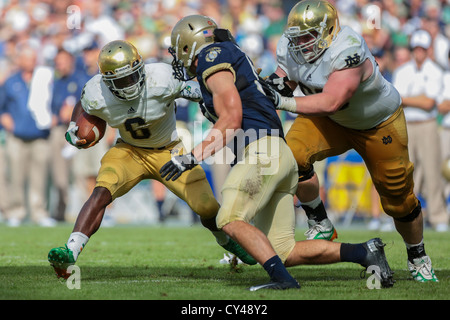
point(122, 69)
point(312, 26)
point(446, 169)
point(189, 36)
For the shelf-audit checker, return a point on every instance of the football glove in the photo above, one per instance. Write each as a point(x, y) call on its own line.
point(280, 102)
point(271, 93)
point(71, 135)
point(177, 165)
point(279, 84)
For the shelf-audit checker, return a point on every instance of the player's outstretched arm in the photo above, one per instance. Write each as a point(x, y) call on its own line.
point(338, 90)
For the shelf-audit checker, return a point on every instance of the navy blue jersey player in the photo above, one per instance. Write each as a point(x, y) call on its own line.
point(260, 186)
point(258, 112)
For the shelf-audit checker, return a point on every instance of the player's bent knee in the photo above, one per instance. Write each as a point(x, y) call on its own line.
point(411, 216)
point(283, 248)
point(224, 219)
point(100, 197)
point(395, 188)
point(306, 174)
point(108, 179)
point(206, 210)
point(399, 207)
point(227, 215)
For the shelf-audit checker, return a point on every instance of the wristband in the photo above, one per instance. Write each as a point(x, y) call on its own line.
point(72, 124)
point(288, 104)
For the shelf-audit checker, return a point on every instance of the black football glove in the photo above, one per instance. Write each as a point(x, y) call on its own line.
point(279, 84)
point(271, 93)
point(177, 165)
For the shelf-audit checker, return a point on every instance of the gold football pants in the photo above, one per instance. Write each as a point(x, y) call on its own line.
point(384, 150)
point(124, 166)
point(260, 189)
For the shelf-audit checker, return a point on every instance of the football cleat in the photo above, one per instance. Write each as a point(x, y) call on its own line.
point(237, 250)
point(323, 230)
point(421, 269)
point(376, 257)
point(60, 259)
point(276, 285)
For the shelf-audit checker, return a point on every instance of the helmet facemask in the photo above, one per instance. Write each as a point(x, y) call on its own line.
point(122, 69)
point(189, 36)
point(181, 67)
point(305, 45)
point(312, 26)
point(127, 82)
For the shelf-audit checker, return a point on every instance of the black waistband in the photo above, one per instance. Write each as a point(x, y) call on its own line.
point(120, 140)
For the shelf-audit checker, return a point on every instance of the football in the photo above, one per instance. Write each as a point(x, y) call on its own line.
point(90, 128)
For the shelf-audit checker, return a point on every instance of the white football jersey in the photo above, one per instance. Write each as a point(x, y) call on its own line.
point(148, 121)
point(375, 99)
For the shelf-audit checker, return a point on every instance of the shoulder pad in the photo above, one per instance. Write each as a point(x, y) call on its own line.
point(92, 97)
point(222, 35)
point(349, 51)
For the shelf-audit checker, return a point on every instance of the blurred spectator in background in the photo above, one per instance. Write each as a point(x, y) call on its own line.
point(6, 66)
point(26, 116)
point(4, 168)
point(401, 56)
point(444, 109)
point(99, 20)
point(66, 92)
point(440, 44)
point(73, 25)
point(419, 83)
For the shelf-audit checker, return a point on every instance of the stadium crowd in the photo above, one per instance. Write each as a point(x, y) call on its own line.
point(48, 51)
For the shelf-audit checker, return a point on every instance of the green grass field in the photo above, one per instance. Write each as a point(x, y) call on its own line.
point(182, 263)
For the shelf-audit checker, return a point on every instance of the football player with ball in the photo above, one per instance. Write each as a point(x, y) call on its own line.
point(138, 99)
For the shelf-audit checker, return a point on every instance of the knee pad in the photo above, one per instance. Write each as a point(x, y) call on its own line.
point(395, 185)
point(206, 209)
point(411, 216)
point(306, 175)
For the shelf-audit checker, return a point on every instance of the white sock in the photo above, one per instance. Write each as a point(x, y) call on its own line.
point(409, 246)
point(76, 243)
point(221, 237)
point(314, 203)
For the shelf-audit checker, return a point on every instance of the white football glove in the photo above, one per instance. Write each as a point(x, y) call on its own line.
point(71, 135)
point(191, 91)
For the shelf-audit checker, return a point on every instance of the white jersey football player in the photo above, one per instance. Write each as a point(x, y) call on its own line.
point(347, 104)
point(152, 114)
point(375, 99)
point(139, 100)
